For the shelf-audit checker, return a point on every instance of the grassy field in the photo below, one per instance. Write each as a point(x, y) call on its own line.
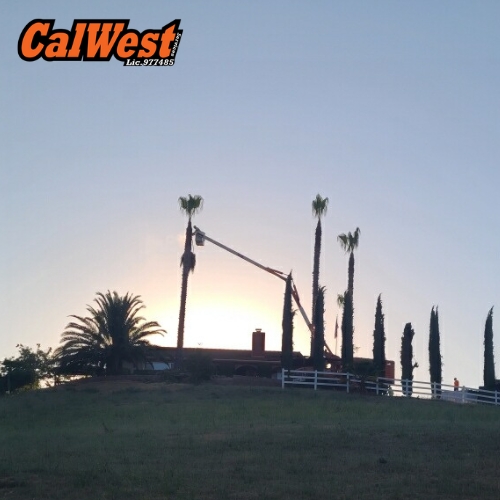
point(152, 441)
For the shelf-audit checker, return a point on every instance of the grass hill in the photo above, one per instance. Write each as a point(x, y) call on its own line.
point(112, 440)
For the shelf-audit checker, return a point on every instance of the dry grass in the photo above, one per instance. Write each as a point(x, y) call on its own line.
point(152, 441)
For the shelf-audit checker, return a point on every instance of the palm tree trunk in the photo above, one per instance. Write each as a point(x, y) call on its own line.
point(315, 285)
point(186, 259)
point(350, 281)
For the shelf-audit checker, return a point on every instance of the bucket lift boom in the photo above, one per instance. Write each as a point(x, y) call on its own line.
point(201, 237)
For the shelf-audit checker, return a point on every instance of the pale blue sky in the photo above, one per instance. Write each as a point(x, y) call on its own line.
point(389, 108)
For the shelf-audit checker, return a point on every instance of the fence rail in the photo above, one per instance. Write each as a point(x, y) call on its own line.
point(349, 382)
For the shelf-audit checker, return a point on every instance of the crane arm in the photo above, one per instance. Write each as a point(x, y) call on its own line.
point(200, 238)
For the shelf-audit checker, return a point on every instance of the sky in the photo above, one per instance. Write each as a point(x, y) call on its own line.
point(390, 109)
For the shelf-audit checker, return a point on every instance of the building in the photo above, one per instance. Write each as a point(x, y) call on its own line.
point(256, 362)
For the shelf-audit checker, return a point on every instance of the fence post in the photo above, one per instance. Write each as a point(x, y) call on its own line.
point(464, 393)
point(496, 397)
point(347, 384)
point(376, 390)
point(282, 378)
point(315, 379)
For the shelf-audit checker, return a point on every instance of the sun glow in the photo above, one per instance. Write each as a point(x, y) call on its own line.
point(222, 323)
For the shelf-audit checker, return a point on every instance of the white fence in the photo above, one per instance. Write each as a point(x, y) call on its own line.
point(348, 382)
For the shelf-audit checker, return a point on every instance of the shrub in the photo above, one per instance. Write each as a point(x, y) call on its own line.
point(199, 367)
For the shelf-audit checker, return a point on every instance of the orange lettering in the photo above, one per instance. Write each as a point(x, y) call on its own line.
point(167, 37)
point(25, 47)
point(127, 45)
point(59, 48)
point(102, 44)
point(99, 40)
point(148, 45)
point(79, 28)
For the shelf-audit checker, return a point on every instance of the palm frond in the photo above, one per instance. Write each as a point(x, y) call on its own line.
point(319, 206)
point(341, 299)
point(342, 239)
point(350, 241)
point(113, 332)
point(191, 205)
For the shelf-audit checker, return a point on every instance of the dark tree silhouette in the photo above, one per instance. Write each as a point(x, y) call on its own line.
point(349, 242)
point(489, 359)
point(319, 208)
point(379, 340)
point(189, 206)
point(347, 329)
point(319, 331)
point(27, 370)
point(287, 326)
point(111, 334)
point(407, 364)
point(435, 360)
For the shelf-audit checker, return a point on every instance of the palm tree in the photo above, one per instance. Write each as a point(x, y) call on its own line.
point(189, 206)
point(349, 242)
point(111, 334)
point(319, 208)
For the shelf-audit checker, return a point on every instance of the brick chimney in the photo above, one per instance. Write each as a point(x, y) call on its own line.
point(258, 343)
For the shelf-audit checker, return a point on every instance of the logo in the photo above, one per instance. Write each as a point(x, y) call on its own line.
point(100, 40)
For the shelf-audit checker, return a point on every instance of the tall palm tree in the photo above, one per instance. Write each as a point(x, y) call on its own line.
point(319, 208)
point(111, 334)
point(190, 206)
point(349, 242)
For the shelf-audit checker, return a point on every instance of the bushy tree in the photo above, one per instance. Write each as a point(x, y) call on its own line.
point(319, 331)
point(287, 327)
point(27, 370)
point(112, 333)
point(407, 364)
point(379, 340)
point(489, 360)
point(435, 360)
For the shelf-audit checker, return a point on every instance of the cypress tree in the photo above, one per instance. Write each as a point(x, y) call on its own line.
point(379, 341)
point(347, 329)
point(489, 360)
point(287, 325)
point(407, 364)
point(435, 360)
point(319, 331)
